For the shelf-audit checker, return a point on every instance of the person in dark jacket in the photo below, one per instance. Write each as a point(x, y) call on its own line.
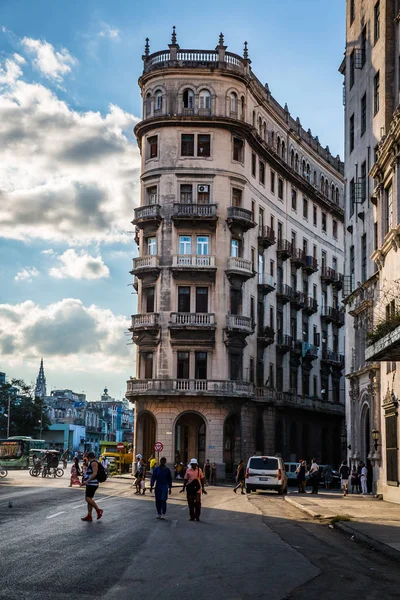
point(240, 477)
point(344, 475)
point(301, 476)
point(162, 477)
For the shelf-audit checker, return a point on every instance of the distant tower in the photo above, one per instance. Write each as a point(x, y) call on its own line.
point(40, 389)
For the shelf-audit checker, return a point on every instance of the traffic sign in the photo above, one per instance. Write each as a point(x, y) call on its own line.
point(158, 447)
point(120, 447)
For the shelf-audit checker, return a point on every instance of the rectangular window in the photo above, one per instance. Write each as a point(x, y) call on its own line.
point(323, 221)
point(364, 257)
point(363, 45)
point(305, 208)
point(235, 366)
point(280, 188)
point(280, 231)
point(334, 229)
point(151, 195)
point(261, 172)
point(253, 259)
point(203, 145)
point(376, 93)
point(187, 144)
point(352, 267)
point(238, 149)
point(236, 301)
point(272, 268)
point(323, 259)
point(149, 295)
point(352, 11)
point(272, 182)
point(271, 379)
point(253, 164)
point(294, 200)
point(201, 299)
point(152, 145)
point(200, 365)
point(315, 215)
point(203, 244)
point(183, 365)
point(151, 246)
point(260, 217)
point(351, 134)
point(314, 251)
point(352, 69)
point(388, 210)
point(236, 197)
point(186, 193)
point(203, 194)
point(352, 196)
point(184, 299)
point(363, 114)
point(251, 373)
point(305, 247)
point(377, 22)
point(185, 244)
point(235, 248)
point(376, 235)
point(252, 310)
point(363, 181)
point(147, 358)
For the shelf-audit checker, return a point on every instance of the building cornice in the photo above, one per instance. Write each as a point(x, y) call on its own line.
point(391, 242)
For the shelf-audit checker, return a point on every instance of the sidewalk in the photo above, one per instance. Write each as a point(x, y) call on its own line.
point(372, 521)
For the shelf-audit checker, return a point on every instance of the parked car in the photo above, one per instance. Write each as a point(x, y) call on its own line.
point(266, 473)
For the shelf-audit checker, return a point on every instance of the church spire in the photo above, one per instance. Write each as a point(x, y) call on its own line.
point(40, 389)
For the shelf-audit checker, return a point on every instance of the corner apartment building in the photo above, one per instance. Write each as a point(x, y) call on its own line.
point(239, 276)
point(371, 69)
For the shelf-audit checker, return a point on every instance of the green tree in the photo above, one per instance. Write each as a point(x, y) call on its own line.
point(26, 410)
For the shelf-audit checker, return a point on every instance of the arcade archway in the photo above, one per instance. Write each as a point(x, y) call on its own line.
point(190, 438)
point(146, 434)
point(232, 442)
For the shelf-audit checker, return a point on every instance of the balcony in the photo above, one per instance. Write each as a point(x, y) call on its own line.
point(332, 315)
point(310, 351)
point(195, 329)
point(146, 267)
point(298, 258)
point(266, 236)
point(296, 348)
point(266, 336)
point(310, 265)
point(284, 249)
point(284, 293)
point(294, 400)
point(240, 219)
point(239, 270)
point(311, 305)
point(194, 214)
point(193, 266)
point(189, 387)
point(328, 275)
point(283, 342)
point(147, 215)
point(298, 300)
point(145, 322)
point(338, 281)
point(266, 283)
point(239, 324)
point(383, 343)
point(333, 358)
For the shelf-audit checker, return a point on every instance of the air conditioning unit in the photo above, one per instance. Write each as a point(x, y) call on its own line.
point(203, 189)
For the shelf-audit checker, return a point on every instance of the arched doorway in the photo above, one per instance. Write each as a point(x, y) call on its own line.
point(365, 433)
point(190, 438)
point(232, 442)
point(146, 434)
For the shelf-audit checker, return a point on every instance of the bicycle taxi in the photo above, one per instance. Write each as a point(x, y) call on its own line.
point(45, 463)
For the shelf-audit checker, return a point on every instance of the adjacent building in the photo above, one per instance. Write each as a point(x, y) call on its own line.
point(371, 94)
point(239, 328)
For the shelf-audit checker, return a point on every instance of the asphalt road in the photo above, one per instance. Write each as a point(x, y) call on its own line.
point(242, 548)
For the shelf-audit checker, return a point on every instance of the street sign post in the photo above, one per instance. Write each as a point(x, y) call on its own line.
point(120, 448)
point(158, 447)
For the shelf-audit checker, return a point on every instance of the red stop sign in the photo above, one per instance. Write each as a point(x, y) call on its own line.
point(120, 447)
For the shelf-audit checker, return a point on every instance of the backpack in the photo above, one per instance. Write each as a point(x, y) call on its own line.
point(101, 473)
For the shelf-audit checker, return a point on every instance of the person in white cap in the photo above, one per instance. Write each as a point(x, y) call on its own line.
point(194, 486)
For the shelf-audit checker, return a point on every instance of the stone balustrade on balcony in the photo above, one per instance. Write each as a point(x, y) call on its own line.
point(194, 211)
point(199, 261)
point(147, 214)
point(201, 320)
point(145, 321)
point(168, 387)
point(239, 323)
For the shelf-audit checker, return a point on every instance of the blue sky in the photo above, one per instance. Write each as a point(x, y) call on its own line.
point(69, 165)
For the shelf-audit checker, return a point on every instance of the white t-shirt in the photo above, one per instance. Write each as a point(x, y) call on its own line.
point(105, 462)
point(364, 472)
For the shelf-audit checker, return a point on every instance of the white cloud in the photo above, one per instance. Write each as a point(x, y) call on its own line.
point(110, 33)
point(27, 274)
point(51, 63)
point(77, 175)
point(10, 71)
point(67, 333)
point(49, 251)
point(80, 266)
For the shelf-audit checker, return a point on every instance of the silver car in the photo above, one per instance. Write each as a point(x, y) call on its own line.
point(266, 473)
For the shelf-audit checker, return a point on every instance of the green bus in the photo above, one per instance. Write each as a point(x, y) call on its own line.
point(14, 451)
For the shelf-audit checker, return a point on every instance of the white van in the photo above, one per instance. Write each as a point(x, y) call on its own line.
point(266, 473)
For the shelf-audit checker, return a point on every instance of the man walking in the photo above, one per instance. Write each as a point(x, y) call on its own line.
point(344, 472)
point(91, 482)
point(194, 486)
point(240, 478)
point(314, 475)
point(364, 475)
point(163, 479)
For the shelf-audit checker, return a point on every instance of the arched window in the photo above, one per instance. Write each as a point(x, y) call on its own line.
point(265, 131)
point(188, 99)
point(283, 151)
point(308, 173)
point(259, 125)
point(272, 138)
point(205, 100)
point(254, 118)
point(296, 163)
point(233, 103)
point(303, 167)
point(292, 159)
point(278, 144)
point(158, 101)
point(326, 189)
point(337, 196)
point(148, 105)
point(242, 107)
point(332, 192)
point(322, 184)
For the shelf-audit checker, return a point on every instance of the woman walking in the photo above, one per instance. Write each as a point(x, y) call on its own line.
point(194, 486)
point(301, 476)
point(75, 473)
point(240, 477)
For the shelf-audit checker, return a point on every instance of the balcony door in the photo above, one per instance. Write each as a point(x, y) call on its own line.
point(201, 300)
point(184, 299)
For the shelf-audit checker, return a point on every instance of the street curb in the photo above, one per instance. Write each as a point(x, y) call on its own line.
point(364, 539)
point(305, 509)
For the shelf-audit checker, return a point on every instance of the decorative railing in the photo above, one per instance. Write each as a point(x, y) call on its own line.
point(284, 246)
point(152, 211)
point(145, 262)
point(172, 386)
point(200, 58)
point(311, 304)
point(198, 319)
point(328, 274)
point(266, 233)
point(145, 320)
point(266, 279)
point(284, 290)
point(195, 210)
point(237, 212)
point(201, 261)
point(333, 357)
point(239, 322)
point(235, 263)
point(311, 263)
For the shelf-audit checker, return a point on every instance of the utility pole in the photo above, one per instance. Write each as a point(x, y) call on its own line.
point(8, 414)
